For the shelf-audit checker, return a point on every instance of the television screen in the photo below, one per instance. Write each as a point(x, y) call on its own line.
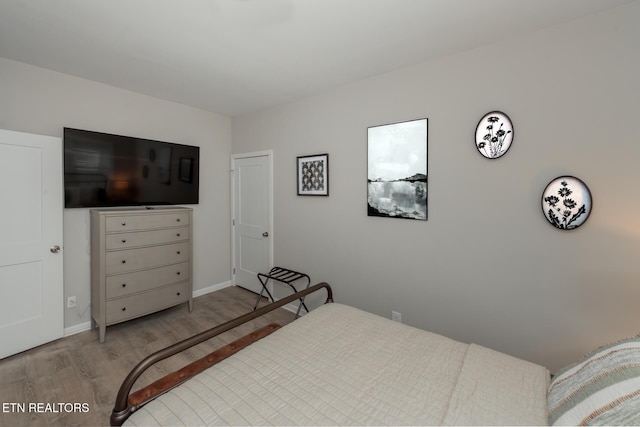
point(102, 170)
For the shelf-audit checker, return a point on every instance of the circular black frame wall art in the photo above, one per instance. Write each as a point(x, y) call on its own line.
point(494, 134)
point(566, 202)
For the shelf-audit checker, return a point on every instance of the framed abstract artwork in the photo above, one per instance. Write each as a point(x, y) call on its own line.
point(494, 134)
point(397, 170)
point(313, 175)
point(566, 202)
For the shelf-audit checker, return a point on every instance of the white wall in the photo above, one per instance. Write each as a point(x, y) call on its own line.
point(43, 102)
point(486, 267)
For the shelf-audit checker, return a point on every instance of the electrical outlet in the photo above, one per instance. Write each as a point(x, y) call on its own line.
point(396, 317)
point(71, 302)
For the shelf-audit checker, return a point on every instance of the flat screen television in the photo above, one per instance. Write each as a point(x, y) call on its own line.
point(104, 170)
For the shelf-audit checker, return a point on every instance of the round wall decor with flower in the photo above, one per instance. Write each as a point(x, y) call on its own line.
point(566, 202)
point(494, 134)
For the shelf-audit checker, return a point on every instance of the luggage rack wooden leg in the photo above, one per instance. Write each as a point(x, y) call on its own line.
point(285, 276)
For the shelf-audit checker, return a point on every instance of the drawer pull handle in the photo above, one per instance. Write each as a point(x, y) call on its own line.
point(177, 234)
point(178, 219)
point(178, 273)
point(124, 261)
point(124, 308)
point(124, 240)
point(124, 285)
point(178, 293)
point(178, 252)
point(124, 223)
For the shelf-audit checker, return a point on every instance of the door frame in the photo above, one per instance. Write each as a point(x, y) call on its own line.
point(234, 157)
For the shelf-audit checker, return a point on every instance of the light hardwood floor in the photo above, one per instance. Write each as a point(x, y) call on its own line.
point(79, 370)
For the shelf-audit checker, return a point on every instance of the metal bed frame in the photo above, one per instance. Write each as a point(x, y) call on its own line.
point(127, 403)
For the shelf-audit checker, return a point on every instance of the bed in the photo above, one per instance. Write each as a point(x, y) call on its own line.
point(339, 365)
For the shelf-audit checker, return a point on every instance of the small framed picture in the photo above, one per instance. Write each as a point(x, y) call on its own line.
point(494, 134)
point(313, 175)
point(566, 202)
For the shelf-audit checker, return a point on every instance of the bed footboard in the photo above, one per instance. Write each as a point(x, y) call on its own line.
point(127, 403)
point(169, 381)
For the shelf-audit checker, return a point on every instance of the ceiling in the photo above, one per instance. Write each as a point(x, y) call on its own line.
point(238, 56)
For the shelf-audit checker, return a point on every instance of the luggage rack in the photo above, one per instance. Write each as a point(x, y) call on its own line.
point(286, 276)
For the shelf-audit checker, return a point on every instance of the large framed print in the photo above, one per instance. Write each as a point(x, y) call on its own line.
point(313, 175)
point(397, 170)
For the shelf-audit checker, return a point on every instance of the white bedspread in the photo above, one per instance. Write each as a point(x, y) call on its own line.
point(342, 366)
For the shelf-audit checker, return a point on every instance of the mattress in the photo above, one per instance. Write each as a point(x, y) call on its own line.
point(342, 366)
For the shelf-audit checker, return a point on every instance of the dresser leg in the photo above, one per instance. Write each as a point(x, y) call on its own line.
point(102, 332)
point(190, 305)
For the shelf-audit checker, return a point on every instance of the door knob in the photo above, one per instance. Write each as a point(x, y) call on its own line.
point(55, 249)
point(265, 234)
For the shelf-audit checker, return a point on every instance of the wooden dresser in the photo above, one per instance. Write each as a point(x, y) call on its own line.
point(140, 262)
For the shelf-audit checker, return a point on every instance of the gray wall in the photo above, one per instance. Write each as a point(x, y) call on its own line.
point(43, 102)
point(486, 267)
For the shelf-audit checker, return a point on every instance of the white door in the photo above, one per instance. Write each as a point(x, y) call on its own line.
point(31, 288)
point(252, 240)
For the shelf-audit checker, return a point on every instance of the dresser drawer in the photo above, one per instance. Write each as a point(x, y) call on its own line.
point(139, 259)
point(145, 222)
point(126, 308)
point(129, 283)
point(146, 238)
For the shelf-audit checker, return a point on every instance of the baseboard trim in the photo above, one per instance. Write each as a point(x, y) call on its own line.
point(293, 307)
point(76, 329)
point(209, 289)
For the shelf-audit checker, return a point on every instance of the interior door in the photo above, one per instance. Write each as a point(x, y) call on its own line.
point(31, 286)
point(252, 238)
